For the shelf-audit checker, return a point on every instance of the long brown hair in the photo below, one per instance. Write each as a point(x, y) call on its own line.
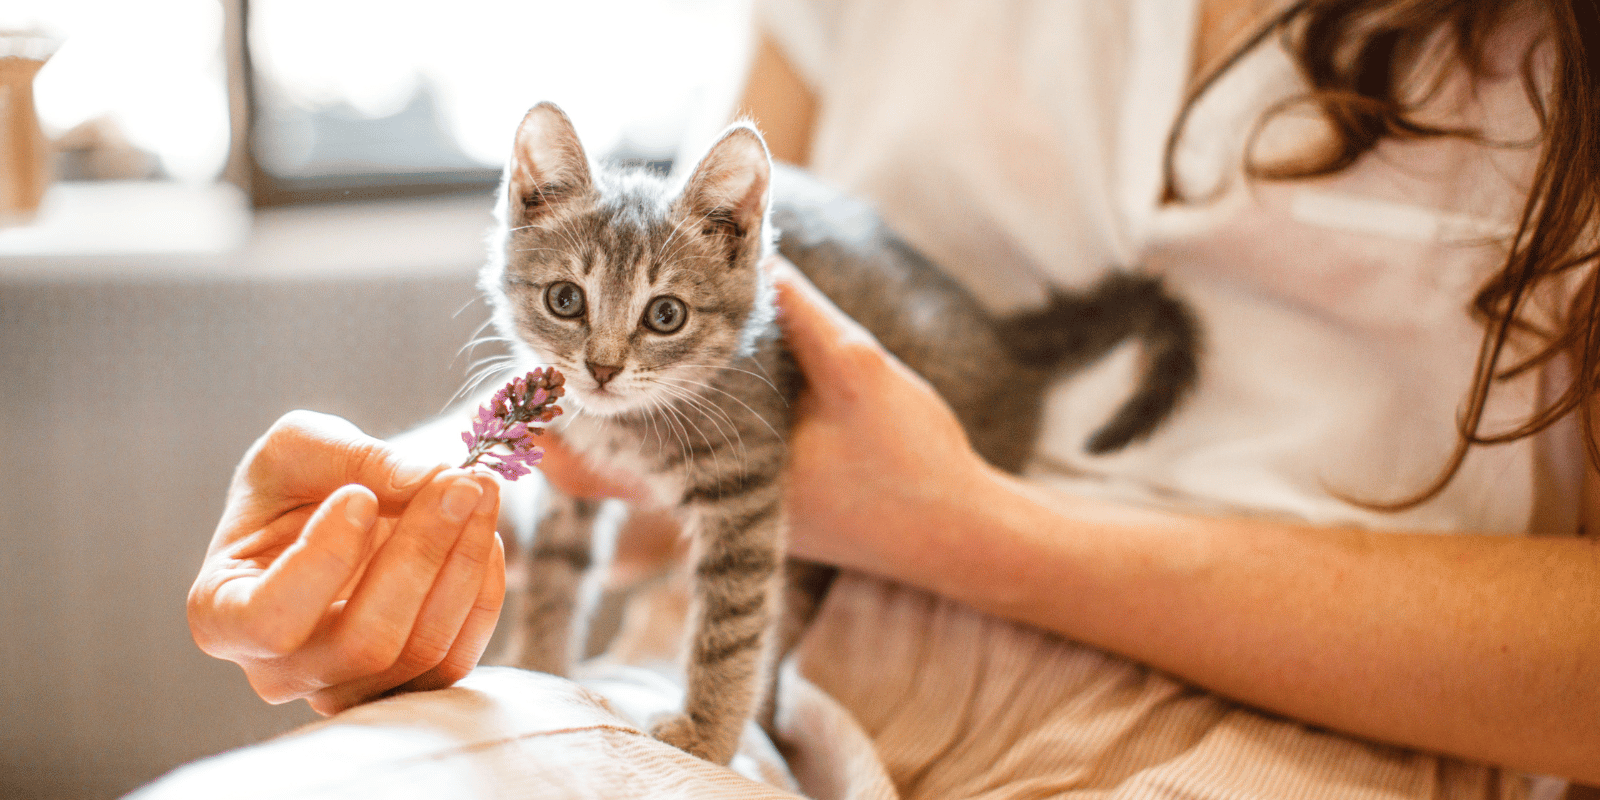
point(1358, 57)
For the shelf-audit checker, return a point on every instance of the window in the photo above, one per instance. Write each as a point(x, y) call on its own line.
point(355, 98)
point(347, 99)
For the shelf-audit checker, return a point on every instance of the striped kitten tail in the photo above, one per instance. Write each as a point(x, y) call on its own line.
point(1077, 328)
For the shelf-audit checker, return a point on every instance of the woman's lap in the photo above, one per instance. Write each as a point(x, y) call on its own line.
point(904, 695)
point(959, 704)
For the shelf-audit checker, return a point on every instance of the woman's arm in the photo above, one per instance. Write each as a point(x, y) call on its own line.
point(1484, 647)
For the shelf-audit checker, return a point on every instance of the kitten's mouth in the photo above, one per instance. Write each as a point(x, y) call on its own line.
point(607, 401)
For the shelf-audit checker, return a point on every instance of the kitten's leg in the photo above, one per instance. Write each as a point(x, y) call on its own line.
point(737, 552)
point(560, 584)
point(805, 584)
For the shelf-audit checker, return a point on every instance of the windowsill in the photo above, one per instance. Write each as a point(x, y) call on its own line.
point(151, 230)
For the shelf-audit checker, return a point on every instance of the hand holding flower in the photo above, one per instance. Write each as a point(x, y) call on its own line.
point(339, 571)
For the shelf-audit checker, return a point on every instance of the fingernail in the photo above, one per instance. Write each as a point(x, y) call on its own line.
point(460, 499)
point(360, 508)
point(486, 502)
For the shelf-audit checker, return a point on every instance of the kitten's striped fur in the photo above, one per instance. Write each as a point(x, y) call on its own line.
point(701, 411)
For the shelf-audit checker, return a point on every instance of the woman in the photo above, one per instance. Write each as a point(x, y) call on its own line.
point(1242, 547)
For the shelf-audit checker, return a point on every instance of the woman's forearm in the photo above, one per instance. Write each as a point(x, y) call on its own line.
point(1485, 647)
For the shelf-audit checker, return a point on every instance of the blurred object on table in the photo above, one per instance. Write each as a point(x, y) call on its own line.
point(99, 150)
point(24, 153)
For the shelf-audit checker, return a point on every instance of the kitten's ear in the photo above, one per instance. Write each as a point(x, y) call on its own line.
point(548, 165)
point(728, 191)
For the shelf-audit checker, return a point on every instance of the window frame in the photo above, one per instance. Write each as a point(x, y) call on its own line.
point(267, 190)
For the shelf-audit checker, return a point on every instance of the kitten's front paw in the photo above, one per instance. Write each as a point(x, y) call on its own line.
point(681, 732)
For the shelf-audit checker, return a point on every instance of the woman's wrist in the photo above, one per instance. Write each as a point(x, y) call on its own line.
point(1027, 553)
point(982, 537)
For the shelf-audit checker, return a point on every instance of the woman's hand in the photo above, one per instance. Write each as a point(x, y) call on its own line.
point(340, 572)
point(877, 459)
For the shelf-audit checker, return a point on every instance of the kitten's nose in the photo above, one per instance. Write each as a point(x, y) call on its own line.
point(602, 372)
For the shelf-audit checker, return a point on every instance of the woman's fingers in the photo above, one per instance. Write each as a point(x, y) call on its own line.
point(376, 624)
point(293, 595)
point(817, 331)
point(339, 564)
point(840, 358)
point(305, 455)
point(475, 631)
point(237, 608)
point(465, 581)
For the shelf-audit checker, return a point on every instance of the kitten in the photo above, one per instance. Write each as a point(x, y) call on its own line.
point(649, 297)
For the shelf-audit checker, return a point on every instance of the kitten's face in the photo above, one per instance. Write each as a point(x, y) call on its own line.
point(636, 292)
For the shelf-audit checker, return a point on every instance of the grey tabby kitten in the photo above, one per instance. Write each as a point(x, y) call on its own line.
point(649, 298)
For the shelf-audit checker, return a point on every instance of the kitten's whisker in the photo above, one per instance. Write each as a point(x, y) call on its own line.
point(677, 252)
point(477, 338)
point(705, 405)
point(763, 378)
point(559, 230)
point(766, 376)
point(480, 376)
point(650, 423)
point(665, 424)
point(478, 331)
point(481, 372)
point(647, 414)
point(675, 415)
point(577, 411)
point(569, 236)
point(485, 369)
point(473, 383)
point(679, 433)
point(709, 408)
point(702, 406)
point(736, 399)
point(486, 361)
point(716, 463)
point(496, 357)
point(481, 340)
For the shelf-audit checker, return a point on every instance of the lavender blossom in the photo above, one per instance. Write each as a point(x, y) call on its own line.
point(507, 420)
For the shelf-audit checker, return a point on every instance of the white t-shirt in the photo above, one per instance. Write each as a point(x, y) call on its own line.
point(1022, 151)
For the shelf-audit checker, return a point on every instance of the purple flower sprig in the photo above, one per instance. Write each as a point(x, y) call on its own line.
point(508, 420)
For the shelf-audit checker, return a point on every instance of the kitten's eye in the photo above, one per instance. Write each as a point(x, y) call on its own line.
point(665, 314)
point(564, 299)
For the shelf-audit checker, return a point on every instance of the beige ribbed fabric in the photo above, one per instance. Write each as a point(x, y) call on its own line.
point(895, 694)
point(963, 705)
point(502, 733)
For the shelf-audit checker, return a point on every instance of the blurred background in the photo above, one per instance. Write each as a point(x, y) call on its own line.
point(212, 212)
